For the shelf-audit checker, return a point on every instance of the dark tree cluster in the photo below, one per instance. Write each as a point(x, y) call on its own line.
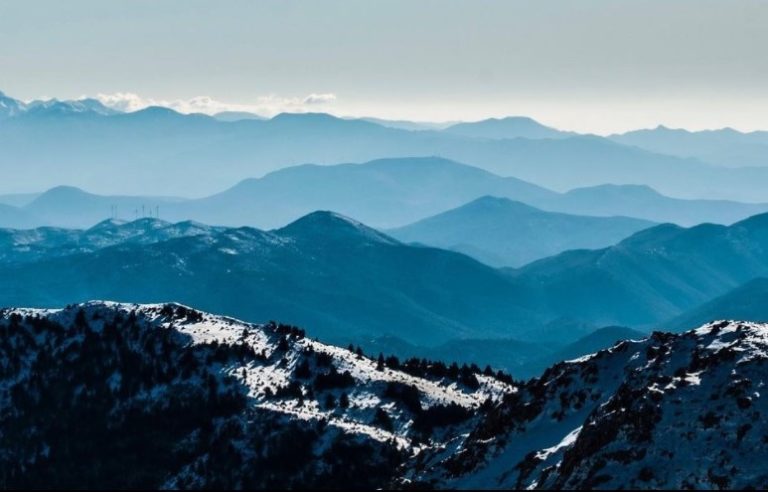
point(425, 368)
point(333, 379)
point(425, 420)
point(293, 332)
point(105, 408)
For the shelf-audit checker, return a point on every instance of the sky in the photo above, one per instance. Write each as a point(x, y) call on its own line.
point(589, 66)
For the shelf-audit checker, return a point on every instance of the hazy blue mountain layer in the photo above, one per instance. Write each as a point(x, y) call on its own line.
point(521, 359)
point(327, 272)
point(157, 151)
point(29, 245)
point(502, 232)
point(18, 218)
point(383, 193)
point(345, 280)
point(506, 128)
point(653, 275)
point(725, 147)
point(66, 206)
point(747, 301)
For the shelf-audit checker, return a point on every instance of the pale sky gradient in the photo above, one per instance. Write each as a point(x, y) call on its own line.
point(597, 66)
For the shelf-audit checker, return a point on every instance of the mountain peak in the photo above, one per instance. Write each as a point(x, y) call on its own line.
point(143, 224)
point(506, 128)
point(108, 224)
point(496, 202)
point(62, 191)
point(155, 111)
point(622, 190)
point(322, 121)
point(332, 226)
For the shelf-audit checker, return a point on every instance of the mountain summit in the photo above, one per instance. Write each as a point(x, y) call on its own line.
point(509, 127)
point(503, 232)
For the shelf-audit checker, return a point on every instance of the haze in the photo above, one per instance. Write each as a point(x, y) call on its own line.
point(602, 68)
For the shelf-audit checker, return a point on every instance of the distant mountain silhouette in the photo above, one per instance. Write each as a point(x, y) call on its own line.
point(158, 151)
point(328, 272)
point(67, 206)
point(53, 108)
point(18, 199)
point(408, 125)
point(725, 147)
point(349, 282)
point(599, 339)
point(384, 193)
point(15, 217)
point(646, 203)
point(10, 107)
point(654, 275)
point(747, 301)
point(237, 116)
point(504, 128)
point(395, 192)
point(502, 232)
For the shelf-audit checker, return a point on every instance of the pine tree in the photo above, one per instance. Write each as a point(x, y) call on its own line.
point(383, 420)
point(344, 400)
point(330, 401)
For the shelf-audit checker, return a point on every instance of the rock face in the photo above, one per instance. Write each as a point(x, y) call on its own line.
point(127, 396)
point(672, 411)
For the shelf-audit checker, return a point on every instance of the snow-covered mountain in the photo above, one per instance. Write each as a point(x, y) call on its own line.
point(26, 245)
point(669, 412)
point(10, 107)
point(120, 395)
point(194, 394)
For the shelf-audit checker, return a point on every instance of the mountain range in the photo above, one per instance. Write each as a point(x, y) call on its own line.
point(348, 282)
point(507, 128)
point(725, 147)
point(501, 232)
point(647, 414)
point(653, 275)
point(747, 301)
point(384, 193)
point(158, 151)
point(74, 252)
point(165, 396)
point(324, 271)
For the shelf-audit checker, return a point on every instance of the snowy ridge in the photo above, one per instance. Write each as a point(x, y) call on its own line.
point(671, 411)
point(283, 375)
point(27, 245)
point(365, 395)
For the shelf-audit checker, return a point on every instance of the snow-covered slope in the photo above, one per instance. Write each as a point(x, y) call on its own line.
point(140, 358)
point(134, 396)
point(671, 411)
